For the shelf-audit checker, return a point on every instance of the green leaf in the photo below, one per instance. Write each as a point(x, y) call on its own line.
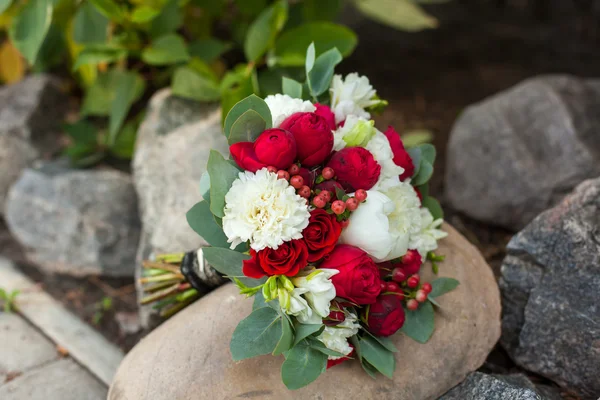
point(416, 137)
point(424, 189)
point(110, 9)
point(97, 54)
point(83, 133)
point(222, 174)
point(419, 323)
point(189, 83)
point(378, 356)
point(236, 85)
point(208, 49)
point(127, 91)
point(318, 345)
point(168, 21)
point(424, 174)
point(305, 330)
point(262, 32)
point(290, 48)
point(320, 75)
point(415, 156)
point(442, 286)
point(167, 49)
point(124, 144)
point(202, 221)
point(4, 4)
point(28, 28)
point(428, 152)
point(143, 14)
point(321, 10)
point(89, 25)
point(259, 302)
point(228, 262)
point(256, 335)
point(287, 337)
point(434, 207)
point(384, 341)
point(251, 102)
point(399, 14)
point(291, 87)
point(302, 366)
point(250, 7)
point(246, 128)
point(205, 186)
point(102, 94)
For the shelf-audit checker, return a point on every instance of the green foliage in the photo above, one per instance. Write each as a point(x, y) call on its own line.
point(419, 323)
point(303, 364)
point(203, 222)
point(247, 119)
point(222, 174)
point(400, 14)
point(442, 286)
point(377, 355)
point(8, 298)
point(257, 334)
point(30, 26)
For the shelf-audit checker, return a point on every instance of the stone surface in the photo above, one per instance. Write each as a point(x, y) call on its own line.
point(30, 115)
point(519, 152)
point(59, 380)
point(480, 386)
point(171, 153)
point(188, 357)
point(76, 222)
point(550, 284)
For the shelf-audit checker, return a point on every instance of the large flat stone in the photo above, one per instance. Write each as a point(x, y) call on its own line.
point(480, 386)
point(188, 356)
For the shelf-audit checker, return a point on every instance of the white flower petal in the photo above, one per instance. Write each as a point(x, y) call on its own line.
point(282, 106)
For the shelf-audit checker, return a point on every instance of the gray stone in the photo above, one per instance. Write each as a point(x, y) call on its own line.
point(550, 283)
point(172, 149)
point(480, 386)
point(76, 222)
point(59, 380)
point(30, 115)
point(519, 152)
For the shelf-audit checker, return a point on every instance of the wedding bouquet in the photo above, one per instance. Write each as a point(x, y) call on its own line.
point(326, 221)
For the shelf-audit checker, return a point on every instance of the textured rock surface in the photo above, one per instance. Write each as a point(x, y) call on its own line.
point(171, 154)
point(480, 386)
point(550, 284)
point(519, 152)
point(75, 221)
point(188, 356)
point(30, 115)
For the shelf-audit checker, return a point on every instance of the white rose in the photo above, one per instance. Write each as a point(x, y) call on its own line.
point(336, 337)
point(350, 96)
point(319, 289)
point(425, 240)
point(282, 106)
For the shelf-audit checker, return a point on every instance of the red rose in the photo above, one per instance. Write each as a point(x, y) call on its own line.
point(321, 234)
point(358, 280)
point(355, 168)
point(325, 112)
point(411, 262)
point(288, 259)
point(386, 315)
point(274, 147)
point(333, 363)
point(314, 138)
point(401, 156)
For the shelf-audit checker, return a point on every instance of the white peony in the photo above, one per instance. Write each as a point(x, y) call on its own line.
point(319, 289)
point(282, 106)
point(425, 240)
point(336, 337)
point(264, 210)
point(383, 225)
point(379, 146)
point(351, 96)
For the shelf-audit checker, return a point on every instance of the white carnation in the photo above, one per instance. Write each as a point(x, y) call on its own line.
point(425, 240)
point(282, 106)
point(336, 337)
point(264, 210)
point(379, 146)
point(351, 96)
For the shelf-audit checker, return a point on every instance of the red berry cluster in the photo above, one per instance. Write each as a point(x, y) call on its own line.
point(408, 288)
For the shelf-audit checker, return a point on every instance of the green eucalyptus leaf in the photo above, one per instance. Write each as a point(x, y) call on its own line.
point(419, 323)
point(251, 102)
point(302, 366)
point(442, 286)
point(89, 25)
point(378, 356)
point(165, 50)
point(415, 156)
point(309, 62)
point(305, 330)
point(424, 174)
point(202, 221)
point(287, 337)
point(222, 174)
point(228, 262)
point(320, 75)
point(428, 152)
point(246, 128)
point(256, 335)
point(264, 29)
point(205, 186)
point(259, 302)
point(384, 341)
point(416, 137)
point(434, 207)
point(291, 87)
point(29, 28)
point(318, 345)
point(369, 369)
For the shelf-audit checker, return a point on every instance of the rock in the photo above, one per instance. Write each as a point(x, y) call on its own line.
point(480, 386)
point(188, 356)
point(550, 283)
point(519, 152)
point(129, 322)
point(171, 153)
point(30, 115)
point(76, 222)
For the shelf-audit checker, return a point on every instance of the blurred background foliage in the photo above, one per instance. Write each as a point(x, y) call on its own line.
point(119, 52)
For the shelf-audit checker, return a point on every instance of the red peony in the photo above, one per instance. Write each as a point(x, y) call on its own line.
point(333, 363)
point(325, 112)
point(355, 168)
point(401, 156)
point(321, 234)
point(358, 280)
point(329, 185)
point(314, 138)
point(288, 259)
point(274, 147)
point(308, 176)
point(386, 315)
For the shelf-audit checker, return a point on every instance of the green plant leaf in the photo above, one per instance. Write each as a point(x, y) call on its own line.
point(415, 156)
point(168, 21)
point(189, 83)
point(222, 174)
point(202, 221)
point(424, 189)
point(305, 330)
point(205, 186)
point(416, 137)
point(424, 174)
point(208, 49)
point(236, 85)
point(253, 103)
point(259, 302)
point(290, 48)
point(228, 262)
point(126, 92)
point(302, 366)
point(287, 337)
point(89, 25)
point(110, 9)
point(143, 14)
point(264, 29)
point(124, 144)
point(246, 128)
point(291, 87)
point(97, 54)
point(400, 14)
point(4, 4)
point(167, 49)
point(83, 133)
point(99, 97)
point(378, 356)
point(319, 346)
point(321, 10)
point(384, 341)
point(419, 323)
point(428, 152)
point(256, 335)
point(433, 206)
point(442, 286)
point(28, 28)
point(250, 7)
point(369, 369)
point(320, 75)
